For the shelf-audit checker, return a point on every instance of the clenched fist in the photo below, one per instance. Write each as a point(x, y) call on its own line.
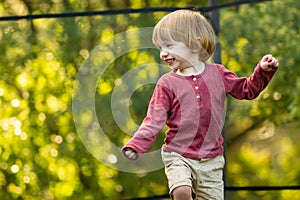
point(130, 153)
point(269, 63)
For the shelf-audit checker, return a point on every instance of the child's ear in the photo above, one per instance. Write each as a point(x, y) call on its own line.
point(199, 44)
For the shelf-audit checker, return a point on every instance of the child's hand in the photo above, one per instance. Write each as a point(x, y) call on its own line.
point(130, 153)
point(269, 63)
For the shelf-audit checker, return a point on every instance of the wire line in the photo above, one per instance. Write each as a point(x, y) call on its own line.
point(125, 11)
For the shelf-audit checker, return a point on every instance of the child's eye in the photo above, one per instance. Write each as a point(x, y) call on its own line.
point(169, 45)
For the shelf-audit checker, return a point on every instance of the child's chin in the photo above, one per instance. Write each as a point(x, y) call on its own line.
point(173, 68)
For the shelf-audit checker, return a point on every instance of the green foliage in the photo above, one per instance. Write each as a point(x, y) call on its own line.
point(260, 29)
point(42, 156)
point(261, 134)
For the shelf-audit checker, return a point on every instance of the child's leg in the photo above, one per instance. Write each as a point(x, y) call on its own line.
point(182, 193)
point(209, 182)
point(179, 175)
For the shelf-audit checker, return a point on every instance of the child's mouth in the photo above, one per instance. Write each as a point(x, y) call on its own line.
point(170, 61)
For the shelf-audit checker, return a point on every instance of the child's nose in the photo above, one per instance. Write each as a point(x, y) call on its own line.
point(163, 53)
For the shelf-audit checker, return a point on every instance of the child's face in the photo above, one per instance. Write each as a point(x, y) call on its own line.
point(176, 54)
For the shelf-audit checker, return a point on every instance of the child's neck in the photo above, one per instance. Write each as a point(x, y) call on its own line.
point(193, 70)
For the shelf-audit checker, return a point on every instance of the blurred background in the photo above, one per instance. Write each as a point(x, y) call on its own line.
point(41, 154)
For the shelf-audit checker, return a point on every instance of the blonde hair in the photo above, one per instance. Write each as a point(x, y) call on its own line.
point(189, 27)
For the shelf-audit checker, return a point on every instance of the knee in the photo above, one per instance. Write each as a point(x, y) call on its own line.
point(182, 193)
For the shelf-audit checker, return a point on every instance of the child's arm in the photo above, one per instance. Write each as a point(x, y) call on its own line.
point(269, 63)
point(151, 125)
point(250, 88)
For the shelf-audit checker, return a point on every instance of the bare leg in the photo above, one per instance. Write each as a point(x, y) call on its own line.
point(182, 193)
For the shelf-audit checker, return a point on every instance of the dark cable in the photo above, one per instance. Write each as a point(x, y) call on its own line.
point(262, 188)
point(125, 11)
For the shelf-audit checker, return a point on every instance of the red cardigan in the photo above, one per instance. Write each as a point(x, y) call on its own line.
point(193, 107)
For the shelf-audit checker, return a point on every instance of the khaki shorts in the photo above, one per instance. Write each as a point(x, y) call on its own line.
point(204, 176)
